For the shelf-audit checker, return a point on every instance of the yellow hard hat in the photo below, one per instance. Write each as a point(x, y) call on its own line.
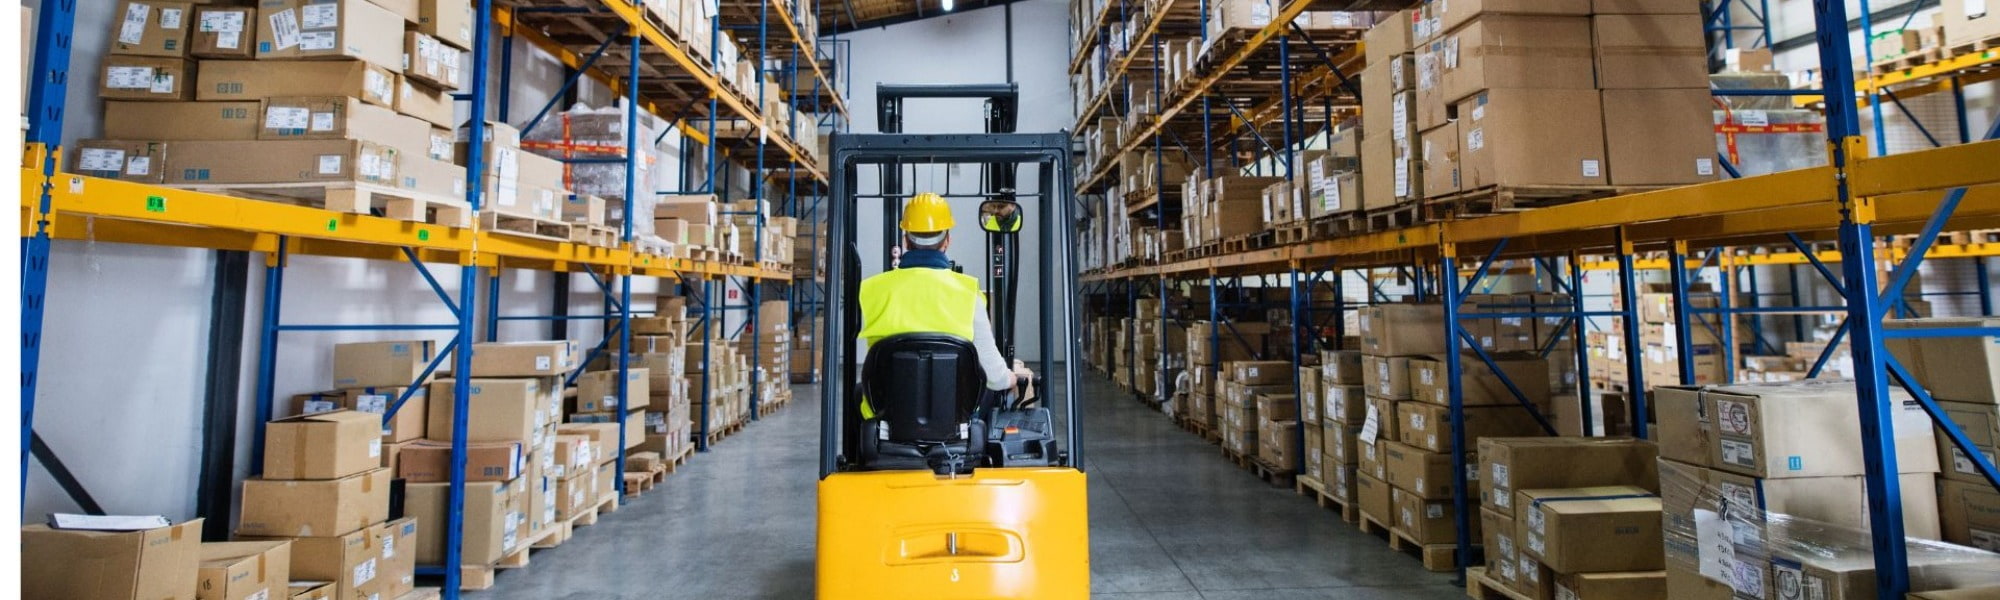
point(927, 213)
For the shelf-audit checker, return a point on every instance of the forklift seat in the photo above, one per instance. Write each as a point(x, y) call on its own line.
point(926, 392)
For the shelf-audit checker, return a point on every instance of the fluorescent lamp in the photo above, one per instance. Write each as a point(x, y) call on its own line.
point(947, 5)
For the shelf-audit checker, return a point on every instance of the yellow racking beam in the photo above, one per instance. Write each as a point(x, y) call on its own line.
point(1142, 42)
point(1202, 85)
point(1930, 77)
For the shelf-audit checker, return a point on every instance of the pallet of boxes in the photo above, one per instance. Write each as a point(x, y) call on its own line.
point(1525, 103)
point(594, 411)
point(659, 346)
point(1343, 408)
point(774, 360)
point(689, 222)
point(719, 363)
point(343, 104)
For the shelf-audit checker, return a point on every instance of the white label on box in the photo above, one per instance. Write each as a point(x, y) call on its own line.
point(542, 363)
point(1563, 593)
point(284, 29)
point(1530, 571)
point(1535, 543)
point(170, 18)
point(1734, 417)
point(1748, 578)
point(1370, 427)
point(322, 121)
point(1704, 167)
point(388, 547)
point(378, 85)
point(375, 448)
point(286, 117)
point(373, 403)
point(1416, 420)
point(1986, 540)
point(1475, 139)
point(1500, 483)
point(329, 164)
point(364, 572)
point(1537, 522)
point(139, 165)
point(321, 16)
point(313, 406)
point(1592, 169)
point(128, 78)
point(163, 84)
point(263, 594)
point(1434, 511)
point(229, 40)
point(1753, 118)
point(1716, 553)
point(1975, 9)
point(316, 40)
point(221, 22)
point(101, 159)
point(1738, 453)
point(133, 29)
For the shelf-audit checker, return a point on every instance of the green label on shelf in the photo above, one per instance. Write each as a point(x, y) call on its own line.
point(423, 235)
point(332, 224)
point(156, 204)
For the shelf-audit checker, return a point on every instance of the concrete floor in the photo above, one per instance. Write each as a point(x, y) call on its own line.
point(1169, 520)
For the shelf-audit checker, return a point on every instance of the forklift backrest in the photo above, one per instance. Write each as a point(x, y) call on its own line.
point(923, 385)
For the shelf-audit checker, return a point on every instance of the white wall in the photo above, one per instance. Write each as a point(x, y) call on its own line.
point(969, 47)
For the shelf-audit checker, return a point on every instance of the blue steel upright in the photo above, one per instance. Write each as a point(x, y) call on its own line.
point(47, 92)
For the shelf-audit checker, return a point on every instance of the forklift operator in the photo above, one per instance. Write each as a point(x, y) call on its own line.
point(925, 296)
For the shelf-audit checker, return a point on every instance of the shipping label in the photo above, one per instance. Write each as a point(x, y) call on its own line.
point(285, 29)
point(100, 159)
point(329, 164)
point(170, 18)
point(364, 572)
point(1733, 417)
point(128, 78)
point(1739, 453)
point(163, 83)
point(287, 119)
point(221, 22)
point(313, 41)
point(322, 121)
point(321, 16)
point(139, 165)
point(133, 29)
point(1592, 168)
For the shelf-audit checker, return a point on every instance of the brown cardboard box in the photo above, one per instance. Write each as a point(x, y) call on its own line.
point(576, 494)
point(350, 561)
point(327, 445)
point(1369, 457)
point(1438, 150)
point(524, 359)
point(1644, 585)
point(1847, 572)
point(329, 29)
point(223, 32)
point(1428, 426)
point(311, 590)
point(1478, 385)
point(146, 78)
point(1659, 137)
point(151, 28)
point(597, 391)
point(1315, 447)
point(1374, 497)
point(143, 162)
point(1838, 501)
point(430, 461)
point(450, 21)
point(255, 80)
point(1422, 473)
point(1981, 424)
point(1382, 420)
point(154, 564)
point(490, 521)
point(1969, 514)
point(1507, 465)
point(1278, 444)
point(1377, 157)
point(1277, 407)
point(430, 61)
point(1807, 429)
point(381, 364)
point(406, 9)
point(1497, 530)
point(1453, 14)
point(1428, 521)
point(1388, 39)
point(1525, 137)
point(1593, 529)
point(1969, 21)
point(314, 508)
point(289, 161)
point(604, 435)
point(1517, 51)
point(1338, 444)
point(431, 176)
point(1650, 51)
point(340, 117)
point(573, 454)
point(397, 543)
point(503, 410)
point(1346, 404)
point(244, 570)
point(1682, 426)
point(181, 120)
point(1431, 107)
point(1402, 329)
point(430, 104)
point(1264, 372)
point(1958, 369)
point(1386, 377)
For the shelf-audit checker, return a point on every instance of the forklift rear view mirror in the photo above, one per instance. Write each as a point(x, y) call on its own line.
point(1000, 216)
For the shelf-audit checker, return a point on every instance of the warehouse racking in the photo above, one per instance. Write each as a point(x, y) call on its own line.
point(1854, 202)
point(656, 69)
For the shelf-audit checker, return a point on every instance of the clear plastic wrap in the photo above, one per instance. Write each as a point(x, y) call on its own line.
point(1770, 141)
point(584, 138)
point(1752, 81)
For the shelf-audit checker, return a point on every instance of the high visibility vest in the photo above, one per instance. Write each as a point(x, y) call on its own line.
point(919, 300)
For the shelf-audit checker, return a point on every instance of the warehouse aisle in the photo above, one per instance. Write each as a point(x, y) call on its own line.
point(1169, 521)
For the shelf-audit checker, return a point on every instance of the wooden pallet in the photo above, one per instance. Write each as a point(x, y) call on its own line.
point(1316, 489)
point(639, 483)
point(1496, 200)
point(422, 593)
point(1395, 217)
point(593, 235)
point(354, 197)
point(1352, 222)
point(1909, 60)
point(532, 227)
point(1974, 46)
point(1480, 586)
point(1437, 558)
point(1293, 232)
point(1270, 473)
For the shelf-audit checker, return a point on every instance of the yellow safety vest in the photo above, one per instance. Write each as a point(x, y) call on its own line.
point(919, 300)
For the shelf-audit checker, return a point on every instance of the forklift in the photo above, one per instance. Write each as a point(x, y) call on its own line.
point(945, 490)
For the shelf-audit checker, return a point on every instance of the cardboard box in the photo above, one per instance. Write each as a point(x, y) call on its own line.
point(146, 78)
point(1278, 444)
point(406, 9)
point(1388, 39)
point(1422, 473)
point(1428, 426)
point(1478, 385)
point(1969, 514)
point(1337, 445)
point(328, 29)
point(1516, 51)
point(1528, 137)
point(1451, 15)
point(1611, 586)
point(1592, 529)
point(284, 508)
point(1439, 154)
point(1847, 571)
point(327, 445)
point(450, 21)
point(397, 569)
point(430, 461)
point(1808, 429)
point(143, 162)
point(1969, 21)
point(1346, 404)
point(1374, 497)
point(1428, 521)
point(503, 410)
point(244, 570)
point(223, 32)
point(340, 117)
point(430, 61)
point(311, 590)
point(597, 391)
point(491, 521)
point(350, 561)
point(1377, 157)
point(1659, 137)
point(576, 494)
point(1981, 425)
point(431, 176)
point(1402, 329)
point(128, 120)
point(151, 28)
point(381, 364)
point(242, 80)
point(1507, 465)
point(1650, 51)
point(289, 161)
point(1958, 369)
point(1838, 501)
point(1682, 426)
point(1496, 529)
point(429, 104)
point(1386, 377)
point(153, 564)
point(524, 359)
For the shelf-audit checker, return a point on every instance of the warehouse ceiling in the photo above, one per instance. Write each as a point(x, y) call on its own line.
point(850, 15)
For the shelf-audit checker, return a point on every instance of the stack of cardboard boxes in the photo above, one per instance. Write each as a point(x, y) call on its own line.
point(281, 93)
point(1256, 396)
point(659, 346)
point(1210, 354)
point(1388, 101)
point(1391, 335)
point(1343, 410)
point(1572, 517)
point(1963, 375)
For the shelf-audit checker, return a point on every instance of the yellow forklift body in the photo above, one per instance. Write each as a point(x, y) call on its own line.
point(998, 533)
